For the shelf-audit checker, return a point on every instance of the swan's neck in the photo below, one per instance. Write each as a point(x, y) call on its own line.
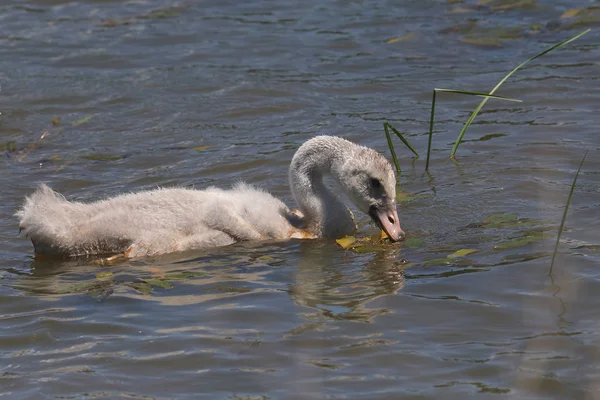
point(325, 215)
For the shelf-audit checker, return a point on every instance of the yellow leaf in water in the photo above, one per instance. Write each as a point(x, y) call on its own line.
point(346, 241)
point(104, 275)
point(573, 12)
point(200, 148)
point(483, 2)
point(400, 38)
point(378, 238)
point(82, 120)
point(461, 253)
point(383, 235)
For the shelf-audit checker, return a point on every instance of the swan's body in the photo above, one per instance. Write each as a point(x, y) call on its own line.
point(168, 220)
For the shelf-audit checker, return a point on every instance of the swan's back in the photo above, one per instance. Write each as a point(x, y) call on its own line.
point(155, 222)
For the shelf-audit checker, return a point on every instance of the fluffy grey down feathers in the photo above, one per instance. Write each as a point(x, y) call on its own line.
point(168, 220)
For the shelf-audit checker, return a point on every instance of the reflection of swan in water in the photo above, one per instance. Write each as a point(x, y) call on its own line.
point(167, 220)
point(340, 286)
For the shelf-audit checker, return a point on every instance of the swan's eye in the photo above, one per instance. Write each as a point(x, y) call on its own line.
point(376, 183)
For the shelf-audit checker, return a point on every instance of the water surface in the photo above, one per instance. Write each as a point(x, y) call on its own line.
point(99, 98)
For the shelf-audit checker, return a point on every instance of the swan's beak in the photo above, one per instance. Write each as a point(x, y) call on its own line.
point(387, 219)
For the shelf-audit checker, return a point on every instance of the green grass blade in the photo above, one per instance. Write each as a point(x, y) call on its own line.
point(477, 94)
point(480, 106)
point(389, 140)
point(486, 95)
point(402, 138)
point(564, 217)
point(430, 131)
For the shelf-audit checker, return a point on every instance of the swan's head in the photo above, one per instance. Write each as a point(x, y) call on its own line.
point(369, 181)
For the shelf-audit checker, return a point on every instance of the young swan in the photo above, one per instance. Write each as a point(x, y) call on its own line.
point(167, 220)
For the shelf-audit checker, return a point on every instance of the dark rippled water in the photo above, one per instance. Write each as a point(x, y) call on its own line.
point(98, 98)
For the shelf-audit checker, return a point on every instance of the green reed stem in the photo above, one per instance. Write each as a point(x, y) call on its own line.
point(430, 131)
point(486, 95)
point(391, 146)
point(564, 217)
point(480, 106)
point(480, 94)
point(403, 139)
point(387, 126)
